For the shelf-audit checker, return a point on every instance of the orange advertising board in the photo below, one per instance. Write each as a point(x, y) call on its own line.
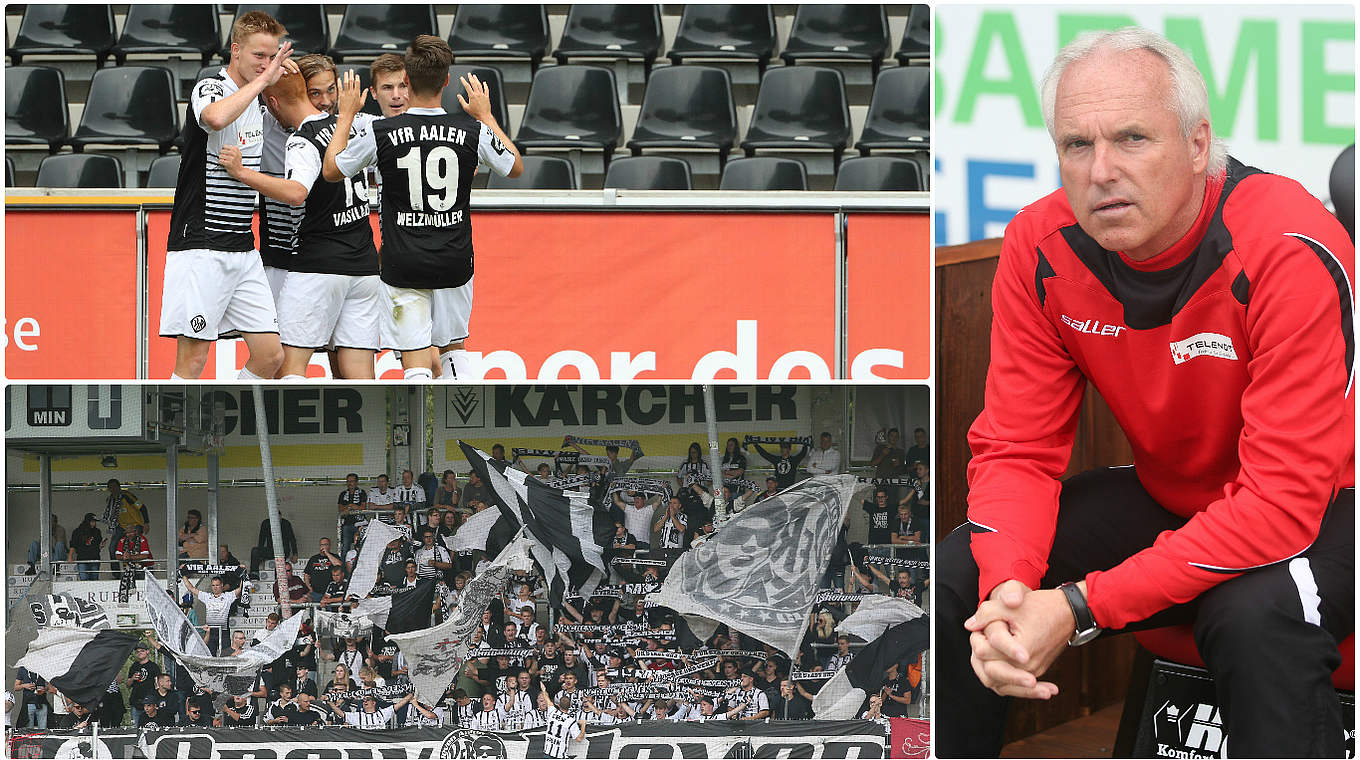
point(614, 296)
point(888, 316)
point(71, 295)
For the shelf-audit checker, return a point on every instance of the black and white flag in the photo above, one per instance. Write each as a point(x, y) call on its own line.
point(79, 662)
point(223, 675)
point(845, 693)
point(435, 655)
point(876, 614)
point(479, 532)
point(759, 573)
point(377, 536)
point(569, 537)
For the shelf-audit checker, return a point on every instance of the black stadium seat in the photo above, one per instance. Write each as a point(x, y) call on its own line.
point(307, 26)
point(129, 105)
point(540, 173)
point(687, 107)
point(838, 32)
point(182, 28)
point(492, 77)
point(500, 31)
point(649, 173)
point(64, 30)
point(164, 171)
point(764, 173)
point(365, 81)
point(572, 106)
point(9, 172)
point(878, 173)
point(738, 32)
point(80, 170)
point(800, 107)
point(611, 31)
point(899, 112)
point(368, 31)
point(916, 39)
point(35, 107)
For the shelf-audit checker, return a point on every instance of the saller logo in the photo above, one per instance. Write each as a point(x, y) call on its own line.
point(1093, 326)
point(1203, 344)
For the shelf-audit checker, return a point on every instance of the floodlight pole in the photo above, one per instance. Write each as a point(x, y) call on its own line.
point(45, 516)
point(171, 514)
point(281, 573)
point(714, 458)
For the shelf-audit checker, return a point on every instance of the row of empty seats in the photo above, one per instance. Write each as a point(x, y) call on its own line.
point(511, 31)
point(571, 106)
point(867, 173)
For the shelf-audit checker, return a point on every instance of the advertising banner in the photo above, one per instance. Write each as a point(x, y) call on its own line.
point(1280, 79)
point(663, 419)
point(910, 738)
point(616, 295)
point(71, 304)
point(315, 431)
point(73, 411)
point(808, 739)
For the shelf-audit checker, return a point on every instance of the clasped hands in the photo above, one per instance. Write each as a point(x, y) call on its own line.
point(1016, 635)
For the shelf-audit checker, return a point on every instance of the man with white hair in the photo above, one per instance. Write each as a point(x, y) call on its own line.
point(1210, 305)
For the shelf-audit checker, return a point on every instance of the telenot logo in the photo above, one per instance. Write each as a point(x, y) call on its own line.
point(1203, 344)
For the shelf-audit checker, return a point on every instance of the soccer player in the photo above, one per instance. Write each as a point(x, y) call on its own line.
point(426, 158)
point(331, 293)
point(562, 728)
point(214, 279)
point(387, 77)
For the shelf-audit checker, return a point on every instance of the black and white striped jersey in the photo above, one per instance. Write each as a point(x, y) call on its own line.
point(278, 220)
point(466, 715)
point(426, 158)
point(517, 704)
point(489, 720)
point(212, 210)
point(330, 233)
point(560, 730)
point(370, 721)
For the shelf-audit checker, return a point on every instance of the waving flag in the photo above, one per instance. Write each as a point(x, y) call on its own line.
point(80, 662)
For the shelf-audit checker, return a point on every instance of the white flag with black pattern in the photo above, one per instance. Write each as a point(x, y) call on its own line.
point(760, 573)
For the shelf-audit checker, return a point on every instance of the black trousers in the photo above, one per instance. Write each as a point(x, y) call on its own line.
point(1271, 660)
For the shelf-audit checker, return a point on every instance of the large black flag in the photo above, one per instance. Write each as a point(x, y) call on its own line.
point(80, 662)
point(411, 608)
point(900, 645)
point(569, 542)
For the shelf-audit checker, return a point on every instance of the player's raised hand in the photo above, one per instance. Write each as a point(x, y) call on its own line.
point(275, 68)
point(478, 101)
point(352, 94)
point(230, 159)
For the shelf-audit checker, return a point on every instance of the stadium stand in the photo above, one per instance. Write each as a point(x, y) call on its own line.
point(64, 30)
point(764, 173)
point(618, 33)
point(915, 45)
point(164, 171)
point(80, 170)
point(523, 41)
point(725, 32)
point(899, 114)
point(838, 33)
point(540, 173)
point(130, 106)
point(9, 172)
point(801, 109)
point(501, 32)
point(688, 108)
point(371, 30)
point(878, 173)
point(649, 173)
point(178, 29)
point(573, 107)
point(35, 107)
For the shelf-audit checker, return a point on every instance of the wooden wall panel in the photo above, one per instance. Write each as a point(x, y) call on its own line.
point(1098, 675)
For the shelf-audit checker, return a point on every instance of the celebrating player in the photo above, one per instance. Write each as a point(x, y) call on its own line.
point(427, 234)
point(331, 293)
point(214, 280)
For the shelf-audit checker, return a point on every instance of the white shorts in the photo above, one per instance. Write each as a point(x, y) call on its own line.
point(406, 323)
point(275, 277)
point(451, 313)
point(317, 310)
point(208, 294)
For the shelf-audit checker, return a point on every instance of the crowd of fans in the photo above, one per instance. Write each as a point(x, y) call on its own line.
point(601, 654)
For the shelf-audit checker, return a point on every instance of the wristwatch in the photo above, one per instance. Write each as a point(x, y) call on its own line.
point(1086, 622)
